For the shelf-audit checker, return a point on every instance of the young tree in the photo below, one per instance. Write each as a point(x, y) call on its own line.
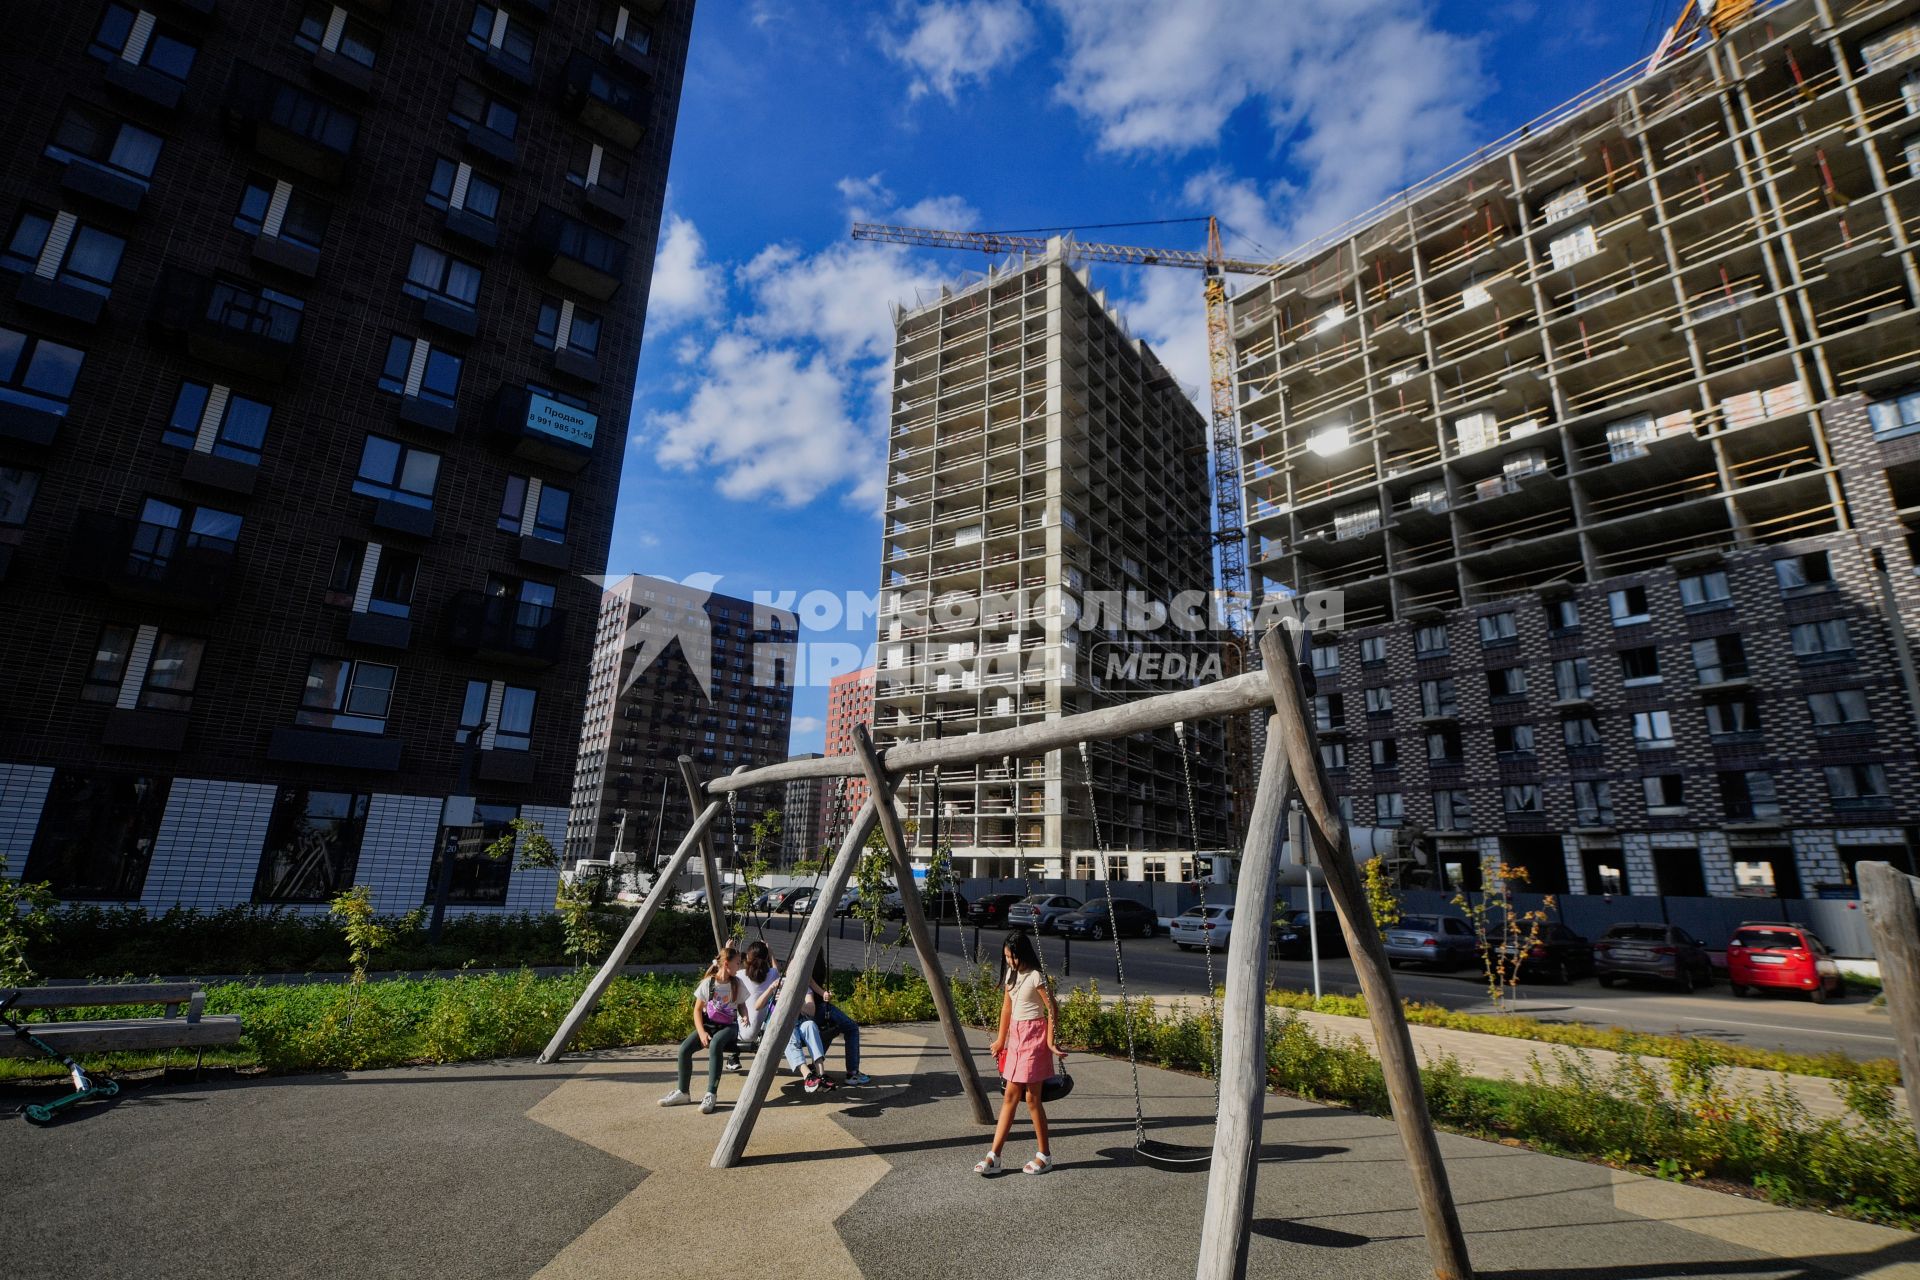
point(1505, 934)
point(26, 913)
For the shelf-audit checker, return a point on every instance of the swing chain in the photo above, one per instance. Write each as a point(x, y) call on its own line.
point(1206, 946)
point(1113, 926)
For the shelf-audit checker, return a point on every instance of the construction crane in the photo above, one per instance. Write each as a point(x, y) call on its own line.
point(1229, 534)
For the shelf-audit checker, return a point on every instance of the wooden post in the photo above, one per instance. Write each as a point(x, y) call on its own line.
point(636, 929)
point(1446, 1244)
point(1892, 901)
point(696, 797)
point(1243, 1016)
point(793, 990)
point(881, 788)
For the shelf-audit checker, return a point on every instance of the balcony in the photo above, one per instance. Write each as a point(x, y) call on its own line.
point(333, 749)
point(471, 227)
point(25, 424)
point(605, 103)
point(137, 730)
point(402, 518)
point(577, 365)
point(509, 67)
point(56, 297)
point(346, 73)
point(497, 629)
point(228, 475)
point(533, 426)
point(448, 316)
point(382, 631)
point(145, 83)
point(608, 204)
point(134, 562)
point(284, 122)
point(299, 259)
point(91, 180)
point(505, 766)
point(430, 415)
point(491, 144)
point(228, 323)
point(545, 553)
point(573, 254)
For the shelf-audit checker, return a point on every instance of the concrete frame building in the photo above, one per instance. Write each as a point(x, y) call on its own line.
point(318, 328)
point(1610, 435)
point(1042, 466)
point(677, 670)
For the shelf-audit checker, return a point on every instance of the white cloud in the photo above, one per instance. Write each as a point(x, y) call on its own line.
point(686, 286)
point(949, 43)
point(807, 724)
point(1362, 96)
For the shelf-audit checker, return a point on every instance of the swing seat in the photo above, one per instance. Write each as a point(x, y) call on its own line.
point(1172, 1156)
point(1054, 1088)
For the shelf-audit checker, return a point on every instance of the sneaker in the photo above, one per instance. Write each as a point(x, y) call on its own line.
point(814, 1083)
point(826, 1084)
point(733, 1063)
point(677, 1098)
point(858, 1078)
point(706, 1105)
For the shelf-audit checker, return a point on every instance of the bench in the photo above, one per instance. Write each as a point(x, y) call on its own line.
point(191, 1029)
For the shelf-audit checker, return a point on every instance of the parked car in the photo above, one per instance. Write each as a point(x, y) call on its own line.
point(1197, 927)
point(1040, 911)
point(798, 902)
point(1558, 955)
point(848, 902)
point(1663, 952)
point(1782, 957)
point(942, 904)
point(696, 899)
point(1090, 921)
point(1440, 942)
point(1292, 939)
point(991, 909)
point(765, 901)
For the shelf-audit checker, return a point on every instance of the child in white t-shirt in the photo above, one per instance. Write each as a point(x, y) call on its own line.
point(719, 1008)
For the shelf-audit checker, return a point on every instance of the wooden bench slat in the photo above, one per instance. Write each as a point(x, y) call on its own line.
point(63, 997)
point(125, 1035)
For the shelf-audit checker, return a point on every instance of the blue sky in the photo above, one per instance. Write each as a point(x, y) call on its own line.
point(758, 426)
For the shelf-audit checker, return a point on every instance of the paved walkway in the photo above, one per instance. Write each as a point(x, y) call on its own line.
point(509, 1169)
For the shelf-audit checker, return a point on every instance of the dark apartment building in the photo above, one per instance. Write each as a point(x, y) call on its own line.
point(678, 671)
point(1608, 435)
point(318, 327)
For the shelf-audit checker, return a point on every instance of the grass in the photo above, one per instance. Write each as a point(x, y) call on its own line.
point(1582, 1035)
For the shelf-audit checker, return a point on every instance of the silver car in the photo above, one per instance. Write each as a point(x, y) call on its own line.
point(1040, 911)
point(1441, 942)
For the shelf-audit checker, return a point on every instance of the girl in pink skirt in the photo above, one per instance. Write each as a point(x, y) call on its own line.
point(1025, 1049)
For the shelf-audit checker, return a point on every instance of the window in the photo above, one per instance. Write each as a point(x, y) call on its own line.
point(1452, 811)
point(1839, 711)
point(1507, 682)
point(1592, 804)
point(1563, 615)
point(1628, 606)
point(247, 308)
point(564, 327)
point(474, 106)
point(17, 487)
point(1572, 680)
point(1436, 698)
point(393, 580)
point(1897, 416)
point(1389, 809)
point(515, 730)
point(1580, 733)
point(1386, 753)
point(1444, 746)
point(493, 28)
point(352, 38)
point(549, 513)
point(1333, 755)
point(1664, 791)
point(1719, 659)
point(1373, 651)
point(473, 709)
point(1857, 783)
point(1513, 739)
point(1749, 796)
point(433, 274)
point(1379, 702)
point(109, 666)
point(157, 536)
point(96, 833)
point(1803, 573)
point(1430, 641)
point(301, 219)
point(590, 164)
point(1732, 716)
point(343, 580)
point(397, 472)
point(1826, 641)
point(617, 28)
point(80, 256)
point(116, 39)
point(418, 368)
point(1325, 659)
point(172, 672)
point(234, 426)
point(346, 695)
point(313, 846)
point(571, 238)
point(1522, 798)
point(457, 186)
point(87, 133)
point(1640, 666)
point(1329, 711)
point(1652, 730)
point(1497, 628)
point(1705, 591)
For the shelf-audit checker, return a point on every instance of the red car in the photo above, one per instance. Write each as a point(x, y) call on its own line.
point(1782, 956)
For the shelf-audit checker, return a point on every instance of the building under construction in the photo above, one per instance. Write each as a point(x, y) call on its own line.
point(1610, 436)
point(1045, 475)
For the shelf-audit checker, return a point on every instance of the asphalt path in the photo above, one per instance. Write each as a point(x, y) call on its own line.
point(1157, 967)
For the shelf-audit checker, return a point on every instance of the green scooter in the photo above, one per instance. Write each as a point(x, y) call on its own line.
point(85, 1087)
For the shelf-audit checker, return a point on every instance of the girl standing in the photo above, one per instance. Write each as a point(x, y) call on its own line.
point(1026, 1049)
point(719, 1004)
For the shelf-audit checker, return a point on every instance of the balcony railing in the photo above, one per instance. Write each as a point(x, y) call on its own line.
point(148, 563)
point(284, 122)
point(576, 255)
point(505, 630)
point(233, 323)
point(605, 102)
point(537, 427)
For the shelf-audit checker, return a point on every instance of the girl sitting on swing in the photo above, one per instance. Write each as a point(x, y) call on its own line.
point(1026, 1050)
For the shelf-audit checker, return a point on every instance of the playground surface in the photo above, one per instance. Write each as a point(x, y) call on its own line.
point(514, 1169)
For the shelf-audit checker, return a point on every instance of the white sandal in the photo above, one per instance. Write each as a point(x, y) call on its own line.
point(1039, 1164)
point(990, 1165)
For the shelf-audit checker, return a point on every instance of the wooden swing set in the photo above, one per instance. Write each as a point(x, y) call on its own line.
point(1291, 768)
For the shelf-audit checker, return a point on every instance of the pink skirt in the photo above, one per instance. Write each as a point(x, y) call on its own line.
point(1027, 1057)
